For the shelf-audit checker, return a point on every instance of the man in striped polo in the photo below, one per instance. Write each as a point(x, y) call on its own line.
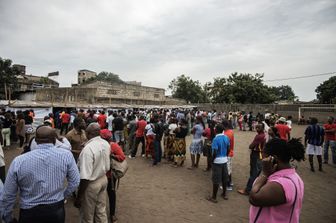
point(314, 137)
point(39, 177)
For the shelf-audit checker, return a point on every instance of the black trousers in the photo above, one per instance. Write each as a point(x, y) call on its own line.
point(112, 195)
point(64, 126)
point(21, 138)
point(45, 213)
point(255, 169)
point(3, 174)
point(137, 142)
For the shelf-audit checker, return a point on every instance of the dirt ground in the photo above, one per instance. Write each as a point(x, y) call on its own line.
point(166, 194)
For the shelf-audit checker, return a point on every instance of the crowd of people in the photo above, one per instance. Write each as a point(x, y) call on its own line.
point(87, 143)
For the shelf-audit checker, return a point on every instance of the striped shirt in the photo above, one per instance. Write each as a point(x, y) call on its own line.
point(39, 176)
point(314, 135)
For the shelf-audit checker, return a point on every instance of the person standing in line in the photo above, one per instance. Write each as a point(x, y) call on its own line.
point(196, 146)
point(77, 137)
point(109, 121)
point(277, 194)
point(6, 128)
point(230, 134)
point(180, 143)
point(131, 128)
point(314, 137)
point(117, 155)
point(20, 128)
point(169, 149)
point(102, 120)
point(283, 129)
point(150, 137)
point(330, 140)
point(93, 163)
point(158, 131)
point(209, 134)
point(220, 148)
point(39, 177)
point(65, 119)
point(257, 148)
point(118, 130)
point(139, 137)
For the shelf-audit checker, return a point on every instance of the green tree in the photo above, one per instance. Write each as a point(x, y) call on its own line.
point(241, 88)
point(8, 78)
point(283, 92)
point(106, 77)
point(185, 88)
point(326, 91)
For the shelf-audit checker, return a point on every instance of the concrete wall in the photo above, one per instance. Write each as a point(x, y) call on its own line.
point(320, 111)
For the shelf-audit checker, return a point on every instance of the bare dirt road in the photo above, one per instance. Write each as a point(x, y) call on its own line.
point(165, 194)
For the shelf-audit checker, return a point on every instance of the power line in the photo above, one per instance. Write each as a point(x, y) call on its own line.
point(300, 77)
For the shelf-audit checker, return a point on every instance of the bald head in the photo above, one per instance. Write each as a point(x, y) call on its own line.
point(45, 134)
point(93, 130)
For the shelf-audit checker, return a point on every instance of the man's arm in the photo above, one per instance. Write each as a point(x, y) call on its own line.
point(9, 193)
point(72, 176)
point(254, 143)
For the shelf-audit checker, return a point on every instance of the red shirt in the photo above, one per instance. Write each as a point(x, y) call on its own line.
point(230, 135)
point(141, 125)
point(65, 118)
point(207, 133)
point(283, 131)
point(102, 121)
point(118, 153)
point(330, 135)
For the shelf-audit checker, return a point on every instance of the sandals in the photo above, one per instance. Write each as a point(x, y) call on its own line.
point(209, 198)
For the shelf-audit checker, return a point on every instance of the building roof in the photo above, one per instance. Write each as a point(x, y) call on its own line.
point(87, 70)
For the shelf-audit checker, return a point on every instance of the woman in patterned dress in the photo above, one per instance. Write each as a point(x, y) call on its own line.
point(179, 143)
point(196, 146)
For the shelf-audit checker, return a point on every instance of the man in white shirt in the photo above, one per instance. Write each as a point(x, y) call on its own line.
point(93, 163)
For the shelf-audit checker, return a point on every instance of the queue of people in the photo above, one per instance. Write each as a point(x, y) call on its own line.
point(89, 142)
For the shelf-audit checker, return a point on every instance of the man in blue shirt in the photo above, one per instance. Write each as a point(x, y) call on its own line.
point(220, 148)
point(39, 176)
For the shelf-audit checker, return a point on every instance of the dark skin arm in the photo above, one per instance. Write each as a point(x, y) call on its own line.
point(81, 190)
point(263, 193)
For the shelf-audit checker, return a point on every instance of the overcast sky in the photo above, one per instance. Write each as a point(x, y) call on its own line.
point(154, 41)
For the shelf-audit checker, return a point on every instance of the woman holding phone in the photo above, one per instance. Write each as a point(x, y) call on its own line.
point(277, 193)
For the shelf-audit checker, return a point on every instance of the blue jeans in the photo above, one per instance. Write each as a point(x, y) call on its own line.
point(332, 145)
point(157, 152)
point(255, 169)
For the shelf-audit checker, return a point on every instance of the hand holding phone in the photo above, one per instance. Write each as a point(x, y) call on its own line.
point(269, 165)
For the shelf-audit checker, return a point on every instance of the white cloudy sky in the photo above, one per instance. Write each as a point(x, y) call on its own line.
point(154, 41)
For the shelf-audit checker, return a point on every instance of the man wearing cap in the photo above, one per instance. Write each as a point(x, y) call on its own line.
point(283, 129)
point(93, 163)
point(39, 177)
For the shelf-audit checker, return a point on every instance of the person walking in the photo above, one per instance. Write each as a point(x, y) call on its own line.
point(65, 118)
point(93, 163)
point(39, 177)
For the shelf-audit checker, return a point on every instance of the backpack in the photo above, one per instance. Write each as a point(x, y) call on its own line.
point(119, 169)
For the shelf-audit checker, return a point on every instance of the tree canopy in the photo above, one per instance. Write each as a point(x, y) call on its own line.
point(106, 77)
point(185, 88)
point(8, 78)
point(237, 88)
point(326, 91)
